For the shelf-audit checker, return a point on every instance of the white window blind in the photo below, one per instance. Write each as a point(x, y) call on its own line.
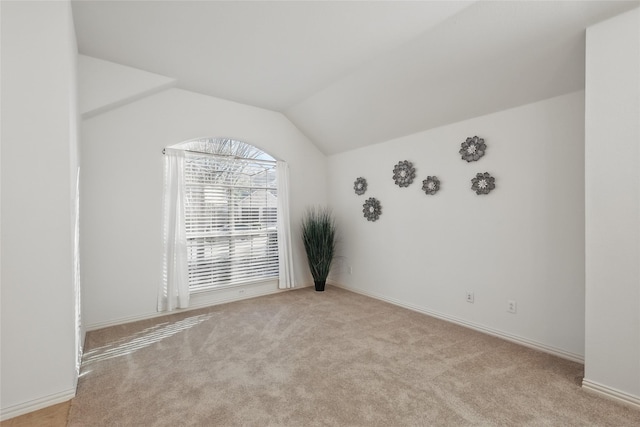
point(230, 218)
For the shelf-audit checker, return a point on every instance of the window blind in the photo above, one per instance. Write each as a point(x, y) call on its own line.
point(230, 219)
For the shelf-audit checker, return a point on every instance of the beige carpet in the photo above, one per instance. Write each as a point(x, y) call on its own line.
point(336, 358)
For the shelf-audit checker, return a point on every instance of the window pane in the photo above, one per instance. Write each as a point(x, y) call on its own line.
point(230, 216)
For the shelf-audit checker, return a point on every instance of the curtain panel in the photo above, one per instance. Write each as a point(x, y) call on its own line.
point(285, 251)
point(174, 289)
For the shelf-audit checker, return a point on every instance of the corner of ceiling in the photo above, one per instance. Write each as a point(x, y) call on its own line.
point(105, 85)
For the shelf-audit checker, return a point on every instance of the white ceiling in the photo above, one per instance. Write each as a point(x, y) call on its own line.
point(353, 73)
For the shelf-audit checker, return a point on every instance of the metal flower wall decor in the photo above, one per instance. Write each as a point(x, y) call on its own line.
point(472, 149)
point(360, 185)
point(404, 173)
point(483, 183)
point(431, 185)
point(372, 209)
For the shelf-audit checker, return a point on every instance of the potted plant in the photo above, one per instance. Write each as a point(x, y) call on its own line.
point(319, 237)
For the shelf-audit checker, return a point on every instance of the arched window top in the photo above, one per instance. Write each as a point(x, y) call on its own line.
point(224, 147)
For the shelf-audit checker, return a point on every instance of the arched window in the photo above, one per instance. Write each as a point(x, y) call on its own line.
point(230, 214)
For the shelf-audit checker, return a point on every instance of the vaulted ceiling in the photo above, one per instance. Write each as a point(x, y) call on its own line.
point(353, 73)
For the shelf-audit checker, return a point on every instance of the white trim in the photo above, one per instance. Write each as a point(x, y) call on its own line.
point(611, 393)
point(34, 405)
point(202, 300)
point(475, 326)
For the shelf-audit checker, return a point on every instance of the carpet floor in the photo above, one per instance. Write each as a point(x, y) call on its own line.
point(302, 358)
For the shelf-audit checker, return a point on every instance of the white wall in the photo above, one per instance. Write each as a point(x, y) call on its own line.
point(612, 159)
point(39, 167)
point(523, 242)
point(122, 165)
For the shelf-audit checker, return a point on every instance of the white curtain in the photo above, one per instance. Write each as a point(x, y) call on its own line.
point(174, 289)
point(285, 257)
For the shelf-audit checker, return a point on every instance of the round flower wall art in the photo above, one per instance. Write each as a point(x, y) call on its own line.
point(360, 186)
point(431, 185)
point(483, 183)
point(372, 209)
point(472, 149)
point(404, 173)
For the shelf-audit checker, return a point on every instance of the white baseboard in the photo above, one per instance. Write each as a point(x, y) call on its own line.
point(611, 393)
point(481, 328)
point(34, 405)
point(222, 296)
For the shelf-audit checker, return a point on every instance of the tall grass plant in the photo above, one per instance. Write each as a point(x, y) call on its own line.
point(319, 237)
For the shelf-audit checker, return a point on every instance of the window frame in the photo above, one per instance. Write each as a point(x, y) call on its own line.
point(266, 235)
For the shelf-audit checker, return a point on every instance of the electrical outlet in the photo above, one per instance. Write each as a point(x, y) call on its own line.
point(470, 296)
point(511, 306)
point(241, 291)
point(350, 270)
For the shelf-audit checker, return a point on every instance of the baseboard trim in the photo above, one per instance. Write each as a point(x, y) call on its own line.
point(480, 328)
point(203, 303)
point(611, 393)
point(36, 404)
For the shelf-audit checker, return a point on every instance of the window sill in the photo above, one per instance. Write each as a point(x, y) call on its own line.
point(230, 293)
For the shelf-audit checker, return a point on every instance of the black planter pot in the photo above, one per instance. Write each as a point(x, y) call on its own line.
point(319, 285)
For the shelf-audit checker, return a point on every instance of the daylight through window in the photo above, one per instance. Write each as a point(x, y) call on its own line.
point(231, 195)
